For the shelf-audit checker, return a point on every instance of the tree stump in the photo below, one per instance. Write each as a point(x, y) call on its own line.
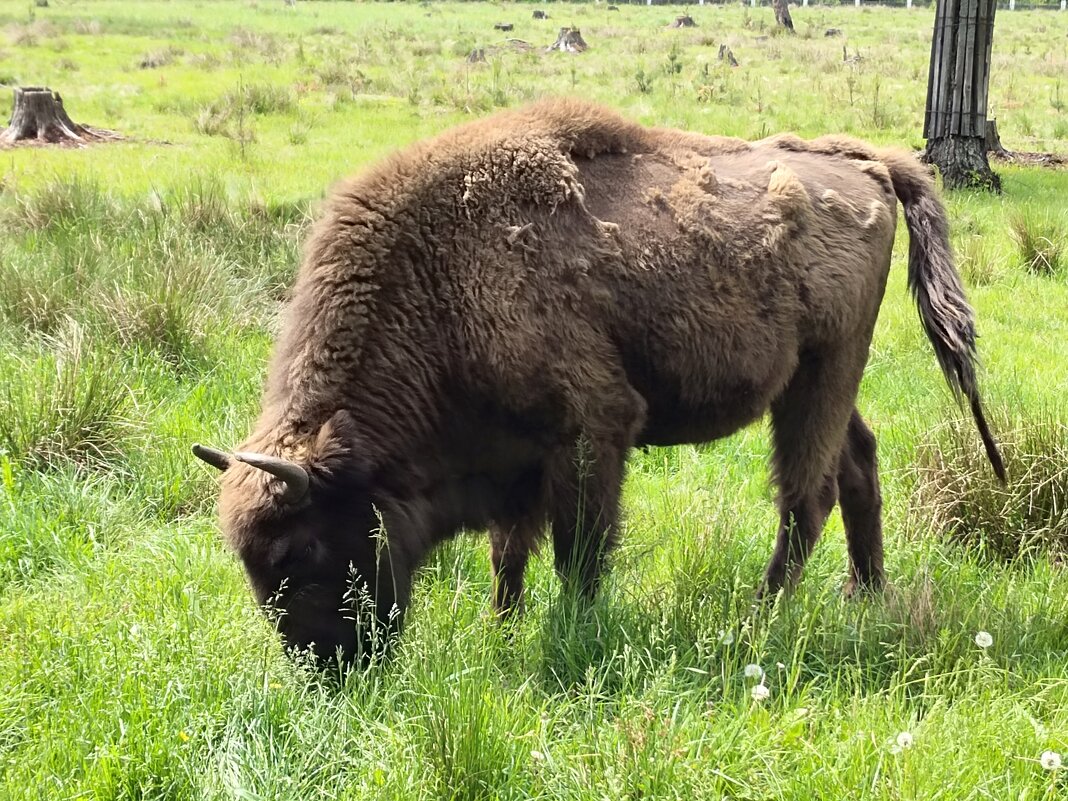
point(503, 26)
point(993, 139)
point(39, 116)
point(683, 21)
point(782, 14)
point(539, 14)
point(725, 54)
point(569, 41)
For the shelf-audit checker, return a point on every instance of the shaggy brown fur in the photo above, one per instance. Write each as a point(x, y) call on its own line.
point(487, 322)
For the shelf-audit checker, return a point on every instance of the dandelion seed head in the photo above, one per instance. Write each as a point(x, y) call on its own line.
point(1050, 760)
point(904, 740)
point(753, 671)
point(760, 693)
point(983, 639)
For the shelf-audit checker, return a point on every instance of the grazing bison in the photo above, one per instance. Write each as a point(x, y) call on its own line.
point(486, 323)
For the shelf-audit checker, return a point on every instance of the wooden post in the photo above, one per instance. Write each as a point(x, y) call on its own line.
point(856, 3)
point(1012, 5)
point(805, 3)
point(908, 3)
point(955, 120)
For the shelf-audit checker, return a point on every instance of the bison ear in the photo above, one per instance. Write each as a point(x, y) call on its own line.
point(337, 451)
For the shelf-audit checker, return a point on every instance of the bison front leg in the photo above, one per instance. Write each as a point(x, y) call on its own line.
point(585, 482)
point(510, 548)
point(584, 512)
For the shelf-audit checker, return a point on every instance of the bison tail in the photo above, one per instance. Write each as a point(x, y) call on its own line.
point(933, 280)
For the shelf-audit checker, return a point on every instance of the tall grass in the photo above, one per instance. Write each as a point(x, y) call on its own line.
point(1042, 241)
point(959, 495)
point(65, 401)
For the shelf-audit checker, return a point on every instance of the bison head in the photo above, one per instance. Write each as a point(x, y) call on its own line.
point(312, 543)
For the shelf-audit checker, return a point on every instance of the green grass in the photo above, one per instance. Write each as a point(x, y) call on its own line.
point(139, 288)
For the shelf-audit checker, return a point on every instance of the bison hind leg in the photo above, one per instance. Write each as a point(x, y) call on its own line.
point(809, 424)
point(861, 503)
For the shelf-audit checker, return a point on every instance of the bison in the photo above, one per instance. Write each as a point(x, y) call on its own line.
point(487, 322)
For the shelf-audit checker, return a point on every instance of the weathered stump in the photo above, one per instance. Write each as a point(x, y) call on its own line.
point(476, 56)
point(726, 54)
point(993, 139)
point(539, 14)
point(782, 14)
point(613, 8)
point(503, 26)
point(569, 41)
point(833, 32)
point(39, 116)
point(683, 21)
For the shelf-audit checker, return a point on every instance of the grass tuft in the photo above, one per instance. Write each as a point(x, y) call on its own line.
point(65, 403)
point(959, 495)
point(1040, 241)
point(977, 262)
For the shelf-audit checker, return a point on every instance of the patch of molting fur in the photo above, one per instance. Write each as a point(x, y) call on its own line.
point(656, 198)
point(859, 154)
point(694, 208)
point(535, 170)
point(789, 207)
point(789, 195)
point(867, 219)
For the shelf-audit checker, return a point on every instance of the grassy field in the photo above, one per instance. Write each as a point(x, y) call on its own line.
point(139, 289)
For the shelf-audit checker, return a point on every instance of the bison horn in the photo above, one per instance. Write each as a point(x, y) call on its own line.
point(292, 474)
point(216, 458)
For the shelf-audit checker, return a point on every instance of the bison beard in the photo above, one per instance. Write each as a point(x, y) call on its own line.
point(485, 324)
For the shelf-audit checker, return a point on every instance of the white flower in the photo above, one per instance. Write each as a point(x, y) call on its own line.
point(760, 693)
point(537, 755)
point(754, 671)
point(983, 639)
point(780, 666)
point(726, 637)
point(904, 740)
point(1050, 760)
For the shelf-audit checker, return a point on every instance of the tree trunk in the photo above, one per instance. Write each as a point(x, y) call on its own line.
point(782, 14)
point(39, 115)
point(955, 122)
